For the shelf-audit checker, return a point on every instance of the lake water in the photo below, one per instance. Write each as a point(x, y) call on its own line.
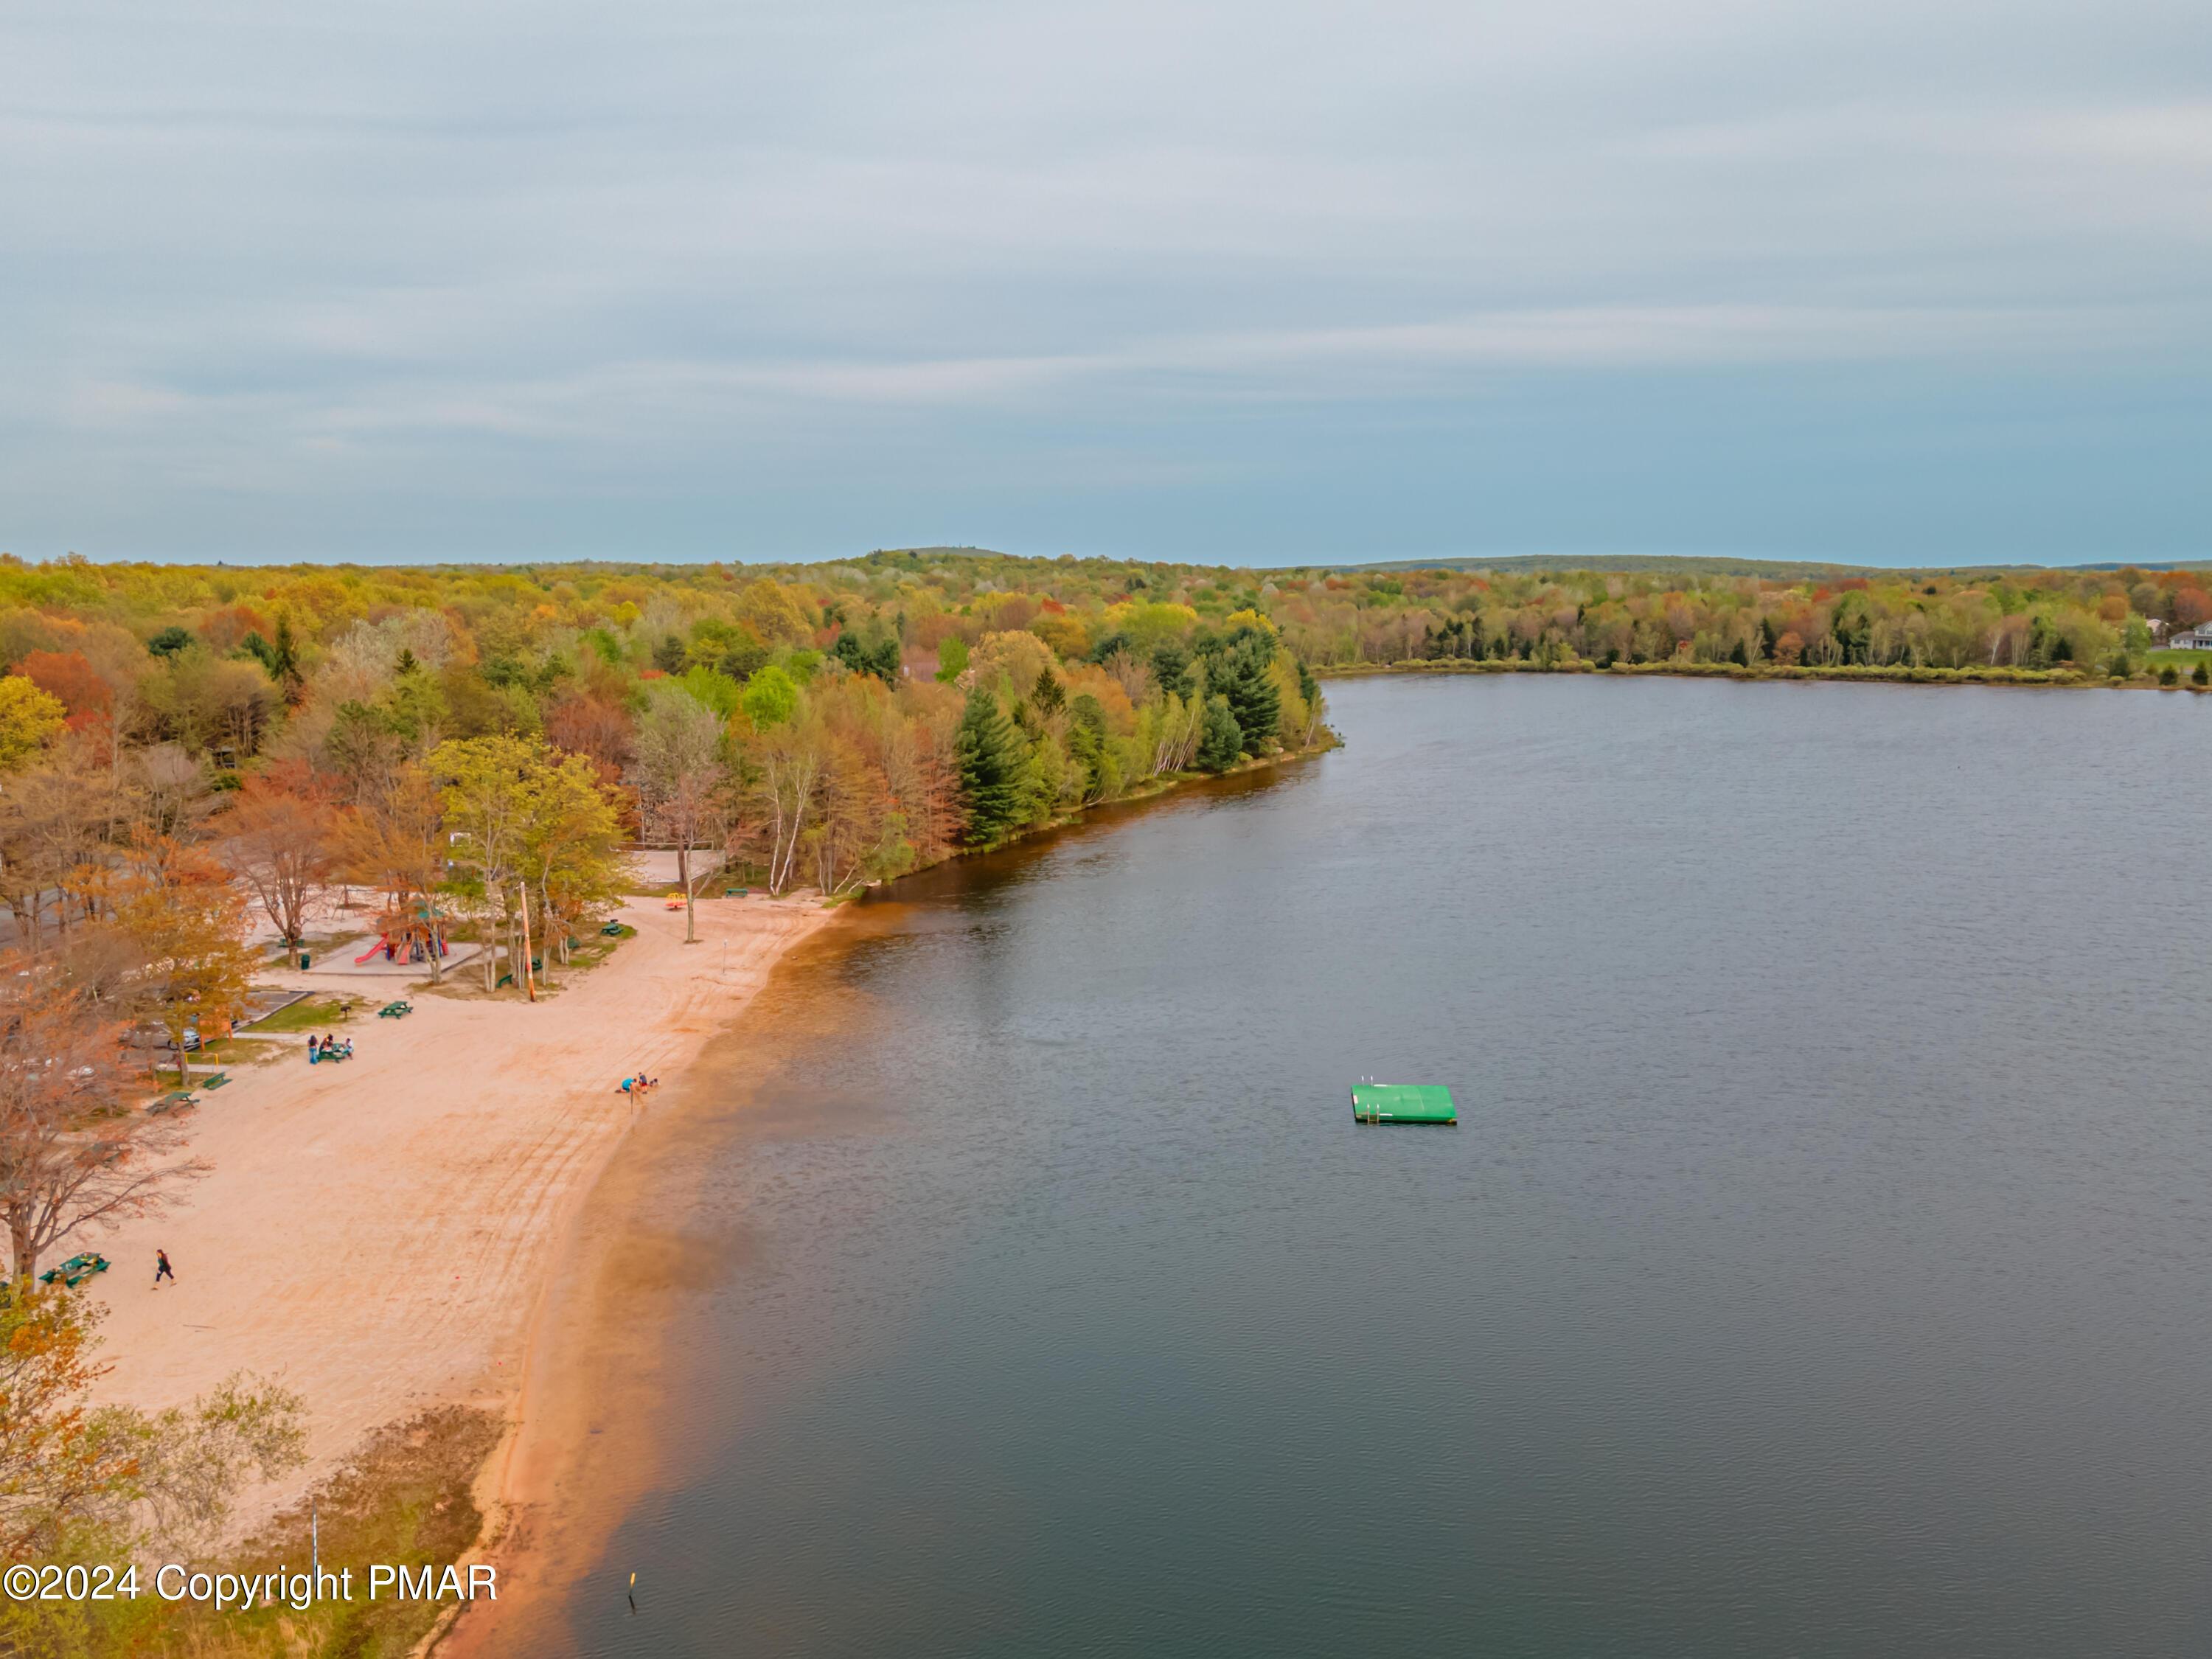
point(1823, 1264)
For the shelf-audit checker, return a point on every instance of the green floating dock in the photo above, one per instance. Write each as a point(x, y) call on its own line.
point(1403, 1102)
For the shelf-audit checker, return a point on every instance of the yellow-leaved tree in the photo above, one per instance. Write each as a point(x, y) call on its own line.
point(569, 860)
point(29, 719)
point(531, 831)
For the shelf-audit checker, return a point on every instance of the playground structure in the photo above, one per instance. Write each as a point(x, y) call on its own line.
point(409, 935)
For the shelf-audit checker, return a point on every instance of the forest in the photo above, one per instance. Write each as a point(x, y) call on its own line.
point(828, 727)
point(192, 754)
point(1994, 625)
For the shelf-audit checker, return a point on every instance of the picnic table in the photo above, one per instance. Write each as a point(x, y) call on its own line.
point(175, 1100)
point(395, 1011)
point(76, 1268)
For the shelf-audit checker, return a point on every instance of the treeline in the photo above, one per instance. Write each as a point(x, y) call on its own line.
point(2094, 622)
point(829, 727)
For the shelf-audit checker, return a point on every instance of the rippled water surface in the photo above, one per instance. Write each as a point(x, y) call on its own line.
point(1822, 1265)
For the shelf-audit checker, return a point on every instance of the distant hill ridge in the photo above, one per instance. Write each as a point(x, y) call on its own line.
point(1685, 564)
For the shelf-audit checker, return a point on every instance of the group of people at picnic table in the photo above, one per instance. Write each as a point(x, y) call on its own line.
point(640, 1084)
point(329, 1048)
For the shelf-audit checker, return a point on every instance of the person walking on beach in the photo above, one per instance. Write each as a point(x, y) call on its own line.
point(163, 1269)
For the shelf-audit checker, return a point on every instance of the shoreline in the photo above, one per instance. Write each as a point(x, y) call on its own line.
point(377, 1236)
point(571, 1465)
point(585, 1445)
point(1884, 674)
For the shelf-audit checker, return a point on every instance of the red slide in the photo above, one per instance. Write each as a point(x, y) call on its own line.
point(369, 952)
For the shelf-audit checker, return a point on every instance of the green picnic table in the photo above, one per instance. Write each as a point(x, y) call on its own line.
point(395, 1011)
point(76, 1268)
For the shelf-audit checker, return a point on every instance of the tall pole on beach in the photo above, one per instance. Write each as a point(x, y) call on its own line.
point(529, 979)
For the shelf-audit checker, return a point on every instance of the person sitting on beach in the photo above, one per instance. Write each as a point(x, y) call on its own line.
point(347, 1051)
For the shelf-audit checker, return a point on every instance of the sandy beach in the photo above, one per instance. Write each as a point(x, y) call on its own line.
point(379, 1234)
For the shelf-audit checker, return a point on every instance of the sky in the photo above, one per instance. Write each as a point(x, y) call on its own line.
point(1889, 282)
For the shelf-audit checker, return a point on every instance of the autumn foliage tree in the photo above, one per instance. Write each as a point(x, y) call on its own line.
point(569, 862)
point(95, 1480)
point(284, 847)
point(53, 1461)
point(395, 841)
point(188, 920)
point(531, 831)
point(70, 1156)
point(682, 776)
point(28, 718)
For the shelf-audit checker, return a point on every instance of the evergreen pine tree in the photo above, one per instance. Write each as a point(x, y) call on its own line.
point(1087, 748)
point(1220, 742)
point(1254, 698)
point(1171, 670)
point(1047, 694)
point(992, 768)
point(282, 661)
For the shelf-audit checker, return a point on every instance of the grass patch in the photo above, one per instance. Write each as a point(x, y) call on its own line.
point(2187, 661)
point(310, 1014)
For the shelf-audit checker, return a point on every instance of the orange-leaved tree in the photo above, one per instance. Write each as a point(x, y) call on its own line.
point(55, 1463)
point(283, 847)
point(188, 920)
point(70, 1156)
point(94, 1481)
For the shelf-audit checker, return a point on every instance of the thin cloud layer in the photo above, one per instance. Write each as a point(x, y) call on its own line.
point(1281, 283)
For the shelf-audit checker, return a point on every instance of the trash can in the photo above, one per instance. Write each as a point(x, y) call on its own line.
point(303, 961)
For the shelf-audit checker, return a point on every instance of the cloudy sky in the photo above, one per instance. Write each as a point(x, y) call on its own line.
point(1889, 281)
